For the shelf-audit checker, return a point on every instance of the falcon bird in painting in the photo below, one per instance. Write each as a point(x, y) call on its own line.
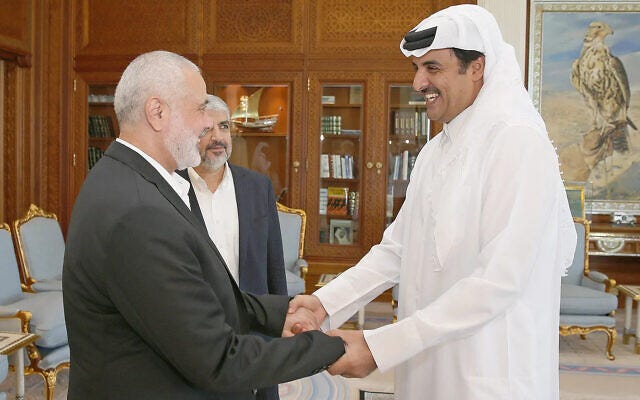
point(602, 81)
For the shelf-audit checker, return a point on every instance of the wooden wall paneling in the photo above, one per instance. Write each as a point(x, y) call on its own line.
point(362, 28)
point(16, 142)
point(110, 33)
point(253, 27)
point(15, 30)
point(54, 86)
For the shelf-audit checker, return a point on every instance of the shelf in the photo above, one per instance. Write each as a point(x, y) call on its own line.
point(100, 104)
point(395, 136)
point(342, 105)
point(99, 140)
point(420, 105)
point(345, 217)
point(260, 134)
point(342, 180)
point(341, 136)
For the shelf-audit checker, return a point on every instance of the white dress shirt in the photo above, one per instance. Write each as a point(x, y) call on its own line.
point(220, 213)
point(177, 183)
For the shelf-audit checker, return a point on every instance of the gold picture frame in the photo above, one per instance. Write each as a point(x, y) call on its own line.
point(575, 197)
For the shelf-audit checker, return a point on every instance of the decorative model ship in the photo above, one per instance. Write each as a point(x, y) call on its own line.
point(246, 117)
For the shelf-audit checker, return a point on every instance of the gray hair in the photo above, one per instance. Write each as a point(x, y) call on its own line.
point(215, 103)
point(157, 73)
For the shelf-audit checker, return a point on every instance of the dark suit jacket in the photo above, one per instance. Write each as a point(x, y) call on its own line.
point(261, 263)
point(151, 310)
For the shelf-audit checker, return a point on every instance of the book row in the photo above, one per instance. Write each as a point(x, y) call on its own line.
point(401, 165)
point(331, 124)
point(94, 155)
point(100, 126)
point(337, 166)
point(339, 201)
point(410, 123)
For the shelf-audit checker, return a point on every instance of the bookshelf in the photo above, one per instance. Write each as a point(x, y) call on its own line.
point(409, 129)
point(341, 130)
point(102, 124)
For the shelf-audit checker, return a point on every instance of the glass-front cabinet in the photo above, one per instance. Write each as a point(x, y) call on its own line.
point(344, 189)
point(260, 129)
point(408, 131)
point(340, 146)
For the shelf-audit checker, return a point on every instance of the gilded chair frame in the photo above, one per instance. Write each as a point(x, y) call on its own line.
point(21, 321)
point(303, 227)
point(49, 375)
point(566, 330)
point(33, 212)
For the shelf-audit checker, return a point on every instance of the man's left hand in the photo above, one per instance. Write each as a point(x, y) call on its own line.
point(357, 361)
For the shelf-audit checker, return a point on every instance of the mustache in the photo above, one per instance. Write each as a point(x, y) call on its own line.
point(429, 90)
point(216, 143)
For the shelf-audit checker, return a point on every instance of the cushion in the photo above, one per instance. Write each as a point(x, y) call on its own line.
point(47, 319)
point(579, 300)
point(295, 284)
point(587, 320)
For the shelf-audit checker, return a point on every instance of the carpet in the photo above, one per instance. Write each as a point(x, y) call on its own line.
point(319, 386)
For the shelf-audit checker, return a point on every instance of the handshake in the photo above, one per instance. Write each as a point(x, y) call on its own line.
point(307, 313)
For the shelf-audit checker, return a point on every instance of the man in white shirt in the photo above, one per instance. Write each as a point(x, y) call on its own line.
point(481, 242)
point(238, 208)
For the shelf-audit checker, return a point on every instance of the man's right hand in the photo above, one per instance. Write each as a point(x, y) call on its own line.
point(311, 303)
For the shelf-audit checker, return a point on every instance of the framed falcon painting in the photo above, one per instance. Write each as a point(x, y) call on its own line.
point(584, 78)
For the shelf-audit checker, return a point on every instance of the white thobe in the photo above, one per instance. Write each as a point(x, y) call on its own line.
point(478, 248)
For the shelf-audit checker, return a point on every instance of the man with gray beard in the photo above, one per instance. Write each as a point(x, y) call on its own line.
point(152, 311)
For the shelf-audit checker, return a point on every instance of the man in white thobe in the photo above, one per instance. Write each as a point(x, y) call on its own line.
point(481, 242)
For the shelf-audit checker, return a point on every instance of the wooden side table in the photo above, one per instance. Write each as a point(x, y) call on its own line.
point(11, 344)
point(326, 278)
point(631, 293)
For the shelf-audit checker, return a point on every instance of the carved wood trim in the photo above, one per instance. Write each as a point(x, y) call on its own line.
point(120, 27)
point(254, 27)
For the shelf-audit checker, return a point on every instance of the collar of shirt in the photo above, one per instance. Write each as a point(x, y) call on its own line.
point(453, 130)
point(199, 184)
point(177, 183)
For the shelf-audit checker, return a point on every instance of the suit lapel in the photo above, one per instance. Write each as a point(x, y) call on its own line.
point(193, 200)
point(134, 160)
point(244, 219)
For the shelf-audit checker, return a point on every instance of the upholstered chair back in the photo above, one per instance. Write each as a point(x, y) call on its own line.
point(10, 290)
point(576, 271)
point(290, 227)
point(41, 244)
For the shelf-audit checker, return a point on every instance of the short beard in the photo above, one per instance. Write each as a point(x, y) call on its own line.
point(215, 163)
point(183, 146)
